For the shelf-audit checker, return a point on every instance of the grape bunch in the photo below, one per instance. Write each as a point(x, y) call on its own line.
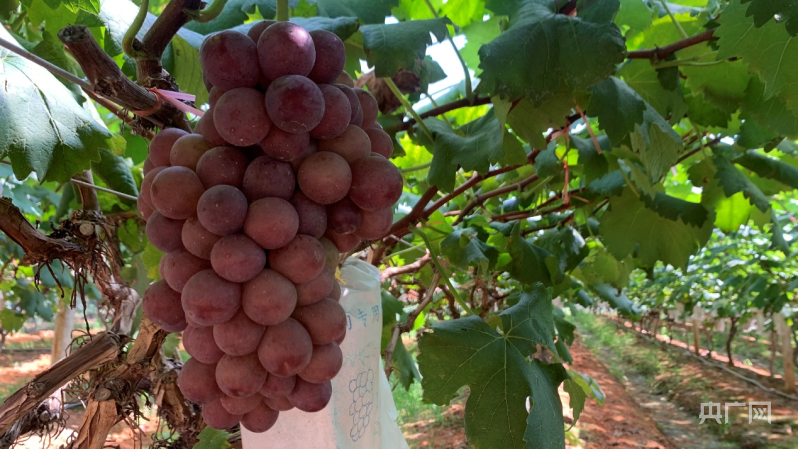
point(285, 171)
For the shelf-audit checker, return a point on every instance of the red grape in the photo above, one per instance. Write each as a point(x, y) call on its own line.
point(285, 146)
point(200, 344)
point(215, 416)
point(260, 419)
point(376, 183)
point(281, 404)
point(222, 166)
point(240, 117)
point(269, 298)
point(310, 397)
point(197, 382)
point(353, 145)
point(175, 192)
point(241, 405)
point(239, 335)
point(369, 106)
point(375, 224)
point(286, 348)
point(146, 185)
point(324, 320)
point(316, 289)
point(345, 79)
point(331, 254)
point(271, 222)
point(213, 96)
point(325, 177)
point(239, 376)
point(180, 266)
point(324, 364)
point(145, 210)
point(337, 113)
point(344, 242)
point(162, 306)
point(381, 142)
point(295, 103)
point(148, 165)
point(207, 127)
point(237, 258)
point(354, 104)
point(198, 240)
point(285, 49)
point(258, 28)
point(187, 150)
point(312, 215)
point(161, 146)
point(267, 177)
point(222, 210)
point(343, 217)
point(336, 291)
point(313, 147)
point(330, 57)
point(229, 60)
point(277, 386)
point(301, 260)
point(209, 300)
point(164, 233)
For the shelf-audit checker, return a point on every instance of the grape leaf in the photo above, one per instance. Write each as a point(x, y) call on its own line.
point(468, 351)
point(187, 69)
point(211, 438)
point(640, 76)
point(463, 248)
point(764, 11)
point(369, 11)
point(616, 298)
point(635, 15)
point(772, 114)
point(733, 181)
point(478, 34)
point(576, 397)
point(594, 165)
point(54, 137)
point(236, 12)
point(11, 321)
point(630, 226)
point(776, 62)
point(390, 47)
point(531, 263)
point(115, 173)
point(403, 362)
point(531, 121)
point(542, 50)
point(152, 258)
point(769, 167)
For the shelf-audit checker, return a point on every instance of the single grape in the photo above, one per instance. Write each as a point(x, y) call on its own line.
point(148, 165)
point(331, 254)
point(340, 340)
point(277, 386)
point(229, 60)
point(285, 49)
point(222, 166)
point(161, 145)
point(286, 348)
point(162, 306)
point(381, 142)
point(313, 147)
point(239, 376)
point(324, 320)
point(237, 258)
point(337, 113)
point(240, 117)
point(239, 335)
point(241, 405)
point(369, 106)
point(325, 177)
point(376, 183)
point(330, 57)
point(200, 344)
point(310, 397)
point(198, 240)
point(280, 404)
point(213, 96)
point(208, 130)
point(197, 382)
point(209, 300)
point(285, 146)
point(222, 210)
point(187, 150)
point(269, 298)
point(258, 28)
point(343, 217)
point(324, 364)
point(266, 177)
point(260, 419)
point(271, 222)
point(180, 266)
point(216, 416)
point(295, 103)
point(164, 233)
point(316, 289)
point(312, 215)
point(354, 104)
point(345, 79)
point(375, 224)
point(175, 192)
point(353, 145)
point(344, 242)
point(336, 292)
point(301, 260)
point(145, 210)
point(146, 185)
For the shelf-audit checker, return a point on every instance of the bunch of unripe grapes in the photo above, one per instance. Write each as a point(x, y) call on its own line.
point(286, 170)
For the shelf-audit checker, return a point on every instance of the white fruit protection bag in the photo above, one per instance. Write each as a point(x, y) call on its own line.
point(361, 413)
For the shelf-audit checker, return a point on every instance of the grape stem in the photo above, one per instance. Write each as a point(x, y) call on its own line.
point(211, 12)
point(135, 27)
point(408, 107)
point(282, 10)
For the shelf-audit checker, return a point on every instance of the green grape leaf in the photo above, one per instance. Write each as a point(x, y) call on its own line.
point(474, 146)
point(235, 12)
point(547, 163)
point(115, 173)
point(594, 165)
point(463, 248)
point(733, 181)
point(211, 438)
point(640, 76)
point(576, 397)
point(776, 62)
point(478, 34)
point(764, 11)
point(468, 351)
point(771, 114)
point(152, 258)
point(566, 244)
point(55, 137)
point(631, 226)
point(368, 11)
point(673, 208)
point(768, 167)
point(610, 184)
point(530, 122)
point(11, 321)
point(574, 51)
point(187, 69)
point(635, 15)
point(616, 298)
point(529, 261)
point(390, 47)
point(52, 50)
